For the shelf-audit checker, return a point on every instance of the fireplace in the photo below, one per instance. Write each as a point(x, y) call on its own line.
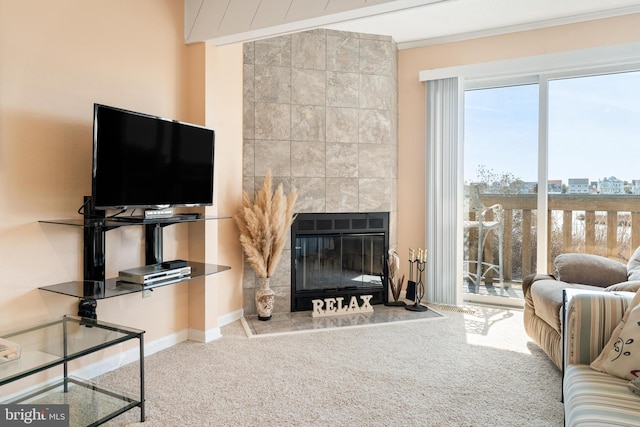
point(338, 255)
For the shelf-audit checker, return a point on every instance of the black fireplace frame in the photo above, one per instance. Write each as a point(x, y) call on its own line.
point(313, 224)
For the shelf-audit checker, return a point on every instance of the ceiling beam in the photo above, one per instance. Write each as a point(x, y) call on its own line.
point(231, 21)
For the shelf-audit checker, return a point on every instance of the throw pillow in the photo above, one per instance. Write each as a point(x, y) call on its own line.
point(633, 266)
point(621, 356)
point(589, 269)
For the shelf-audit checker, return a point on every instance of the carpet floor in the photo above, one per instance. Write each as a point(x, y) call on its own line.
point(462, 369)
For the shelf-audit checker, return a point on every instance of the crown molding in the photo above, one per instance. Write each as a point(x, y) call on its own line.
point(589, 61)
point(574, 19)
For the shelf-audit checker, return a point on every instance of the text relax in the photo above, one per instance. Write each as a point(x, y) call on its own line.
point(334, 306)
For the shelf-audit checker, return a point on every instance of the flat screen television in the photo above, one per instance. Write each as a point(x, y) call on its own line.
point(145, 161)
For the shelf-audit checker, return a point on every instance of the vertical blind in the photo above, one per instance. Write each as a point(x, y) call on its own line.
point(443, 211)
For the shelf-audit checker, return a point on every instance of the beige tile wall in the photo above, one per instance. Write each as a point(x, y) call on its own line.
point(321, 112)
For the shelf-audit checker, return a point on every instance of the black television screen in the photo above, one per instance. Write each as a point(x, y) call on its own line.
point(144, 161)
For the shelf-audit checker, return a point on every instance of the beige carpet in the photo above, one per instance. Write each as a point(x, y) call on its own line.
point(460, 370)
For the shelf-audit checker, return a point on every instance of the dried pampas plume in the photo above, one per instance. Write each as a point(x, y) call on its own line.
point(264, 225)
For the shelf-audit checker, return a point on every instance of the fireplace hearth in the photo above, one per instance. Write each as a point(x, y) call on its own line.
point(338, 255)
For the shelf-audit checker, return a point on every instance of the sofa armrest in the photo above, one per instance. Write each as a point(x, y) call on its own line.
point(532, 278)
point(589, 320)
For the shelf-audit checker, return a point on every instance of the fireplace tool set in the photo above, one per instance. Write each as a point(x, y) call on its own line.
point(415, 290)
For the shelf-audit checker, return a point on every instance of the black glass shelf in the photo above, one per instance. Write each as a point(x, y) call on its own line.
point(124, 221)
point(93, 289)
point(95, 285)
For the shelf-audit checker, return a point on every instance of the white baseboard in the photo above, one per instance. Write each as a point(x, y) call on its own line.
point(133, 354)
point(231, 317)
point(204, 336)
point(215, 333)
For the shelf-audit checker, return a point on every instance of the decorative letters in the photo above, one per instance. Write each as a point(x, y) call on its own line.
point(335, 306)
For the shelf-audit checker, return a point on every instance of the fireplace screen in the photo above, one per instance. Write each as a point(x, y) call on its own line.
point(338, 255)
point(334, 261)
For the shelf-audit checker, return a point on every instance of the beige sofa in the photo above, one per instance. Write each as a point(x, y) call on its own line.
point(594, 394)
point(543, 293)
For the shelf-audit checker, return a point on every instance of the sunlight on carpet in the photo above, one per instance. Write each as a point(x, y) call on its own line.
point(497, 327)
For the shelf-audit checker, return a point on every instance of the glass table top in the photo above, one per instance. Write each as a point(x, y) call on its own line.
point(51, 343)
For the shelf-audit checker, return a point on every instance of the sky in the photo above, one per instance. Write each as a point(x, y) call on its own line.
point(594, 129)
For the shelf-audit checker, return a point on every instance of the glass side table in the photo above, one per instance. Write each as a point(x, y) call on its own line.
point(55, 343)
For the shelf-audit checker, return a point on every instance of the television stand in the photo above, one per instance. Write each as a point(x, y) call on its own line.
point(95, 285)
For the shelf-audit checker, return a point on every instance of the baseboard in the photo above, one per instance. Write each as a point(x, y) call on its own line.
point(131, 355)
point(215, 333)
point(230, 317)
point(204, 336)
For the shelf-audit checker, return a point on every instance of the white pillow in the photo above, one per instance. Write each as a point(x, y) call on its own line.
point(621, 356)
point(633, 266)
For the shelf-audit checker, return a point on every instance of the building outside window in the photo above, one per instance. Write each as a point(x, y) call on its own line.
point(579, 186)
point(611, 185)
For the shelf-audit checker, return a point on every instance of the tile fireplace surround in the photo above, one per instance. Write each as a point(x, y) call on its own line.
point(320, 111)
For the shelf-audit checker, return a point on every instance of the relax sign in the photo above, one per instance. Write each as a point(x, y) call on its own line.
point(335, 306)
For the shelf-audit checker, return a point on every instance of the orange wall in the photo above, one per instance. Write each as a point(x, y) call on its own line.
point(221, 294)
point(411, 157)
point(56, 59)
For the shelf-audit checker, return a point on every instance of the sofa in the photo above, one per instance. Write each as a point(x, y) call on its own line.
point(543, 293)
point(600, 358)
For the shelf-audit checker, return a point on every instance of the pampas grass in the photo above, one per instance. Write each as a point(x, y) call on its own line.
point(264, 226)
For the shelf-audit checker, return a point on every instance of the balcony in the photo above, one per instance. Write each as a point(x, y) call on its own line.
point(607, 225)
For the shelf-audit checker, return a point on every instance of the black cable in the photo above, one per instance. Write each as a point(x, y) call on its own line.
point(117, 213)
point(84, 205)
point(82, 210)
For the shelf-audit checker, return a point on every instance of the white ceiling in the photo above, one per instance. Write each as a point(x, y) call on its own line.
point(409, 22)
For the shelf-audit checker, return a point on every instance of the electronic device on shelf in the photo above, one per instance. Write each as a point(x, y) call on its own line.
point(176, 263)
point(151, 274)
point(145, 161)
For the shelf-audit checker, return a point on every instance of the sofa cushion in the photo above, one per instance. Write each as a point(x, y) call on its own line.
point(621, 355)
point(593, 398)
point(589, 269)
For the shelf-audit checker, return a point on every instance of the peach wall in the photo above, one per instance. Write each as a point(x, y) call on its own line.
point(224, 113)
point(221, 294)
point(56, 60)
point(411, 157)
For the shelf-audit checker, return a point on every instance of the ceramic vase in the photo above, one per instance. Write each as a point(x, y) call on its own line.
point(264, 299)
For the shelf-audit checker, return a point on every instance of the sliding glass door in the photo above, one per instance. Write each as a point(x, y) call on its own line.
point(564, 146)
point(500, 186)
